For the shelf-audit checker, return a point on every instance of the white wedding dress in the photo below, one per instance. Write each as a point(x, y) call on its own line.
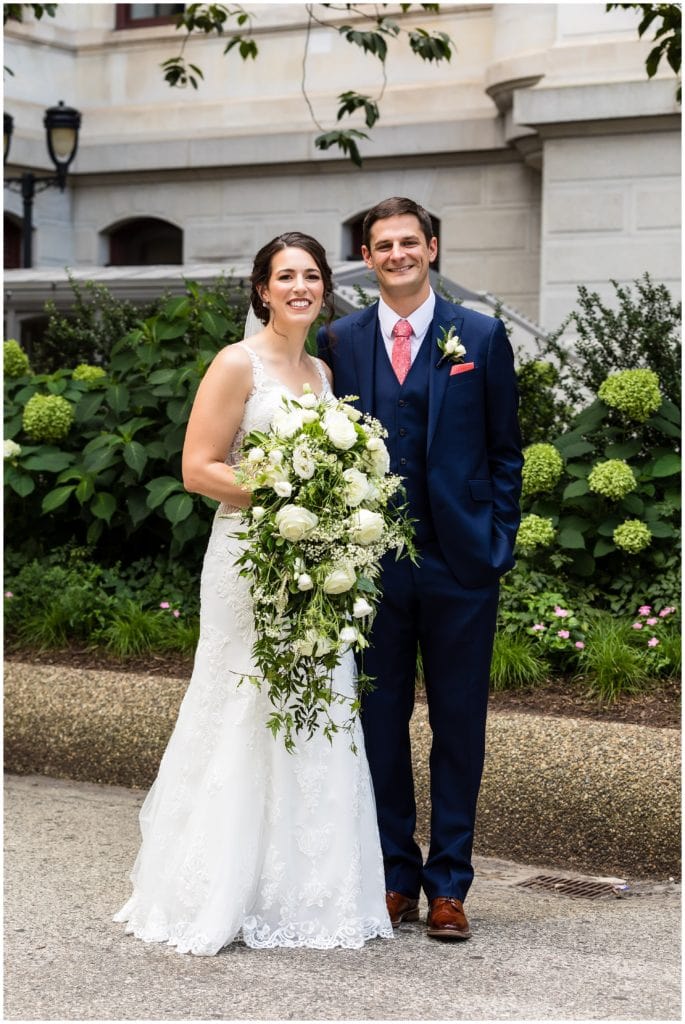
point(240, 839)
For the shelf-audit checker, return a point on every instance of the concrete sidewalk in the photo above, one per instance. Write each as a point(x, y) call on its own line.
point(69, 849)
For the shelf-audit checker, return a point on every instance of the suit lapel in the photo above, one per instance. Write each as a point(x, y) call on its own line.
point(364, 348)
point(446, 315)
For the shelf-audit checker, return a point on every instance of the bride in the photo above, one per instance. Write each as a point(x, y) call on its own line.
point(241, 839)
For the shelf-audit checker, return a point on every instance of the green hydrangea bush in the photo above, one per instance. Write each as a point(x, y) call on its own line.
point(93, 376)
point(542, 468)
point(47, 418)
point(15, 362)
point(633, 392)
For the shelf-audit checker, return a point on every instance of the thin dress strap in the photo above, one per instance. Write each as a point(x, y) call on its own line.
point(258, 372)
point(322, 375)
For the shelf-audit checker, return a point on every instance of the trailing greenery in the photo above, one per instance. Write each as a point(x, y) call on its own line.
point(100, 456)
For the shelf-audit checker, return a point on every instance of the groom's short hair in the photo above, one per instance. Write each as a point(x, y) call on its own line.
point(394, 207)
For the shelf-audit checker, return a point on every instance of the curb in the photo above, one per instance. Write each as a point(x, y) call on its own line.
point(598, 797)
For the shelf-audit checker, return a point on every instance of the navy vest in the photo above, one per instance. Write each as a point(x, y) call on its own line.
point(403, 411)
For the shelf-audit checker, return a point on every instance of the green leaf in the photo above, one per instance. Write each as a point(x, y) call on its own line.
point(665, 426)
point(103, 505)
point(49, 461)
point(575, 489)
point(216, 325)
point(178, 507)
point(95, 531)
point(135, 456)
point(160, 488)
point(575, 523)
point(589, 419)
point(625, 450)
point(100, 458)
point(177, 410)
point(667, 465)
point(54, 499)
point(85, 488)
point(88, 405)
point(631, 503)
point(137, 506)
point(178, 306)
point(670, 411)
point(578, 469)
point(578, 448)
point(583, 563)
point(161, 376)
point(21, 483)
point(661, 529)
point(606, 529)
point(603, 547)
point(118, 397)
point(571, 538)
point(166, 332)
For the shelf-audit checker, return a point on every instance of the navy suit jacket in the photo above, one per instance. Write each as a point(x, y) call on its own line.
point(473, 456)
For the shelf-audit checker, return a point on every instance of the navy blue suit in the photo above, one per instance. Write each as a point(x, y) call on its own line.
point(455, 439)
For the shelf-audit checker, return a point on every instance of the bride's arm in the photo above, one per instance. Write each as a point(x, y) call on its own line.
point(214, 421)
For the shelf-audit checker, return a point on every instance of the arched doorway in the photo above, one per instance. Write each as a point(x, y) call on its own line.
point(145, 241)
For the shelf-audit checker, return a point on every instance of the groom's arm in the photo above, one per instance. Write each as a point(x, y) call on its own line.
point(503, 440)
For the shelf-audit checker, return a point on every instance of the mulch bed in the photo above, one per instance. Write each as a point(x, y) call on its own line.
point(658, 707)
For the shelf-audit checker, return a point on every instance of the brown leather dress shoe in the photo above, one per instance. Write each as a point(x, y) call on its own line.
point(446, 919)
point(401, 908)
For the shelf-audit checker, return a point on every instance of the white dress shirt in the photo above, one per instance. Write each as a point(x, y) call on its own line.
point(420, 321)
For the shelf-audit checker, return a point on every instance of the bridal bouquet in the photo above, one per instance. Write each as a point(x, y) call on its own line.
point(325, 510)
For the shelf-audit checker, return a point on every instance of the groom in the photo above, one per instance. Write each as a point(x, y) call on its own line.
point(454, 437)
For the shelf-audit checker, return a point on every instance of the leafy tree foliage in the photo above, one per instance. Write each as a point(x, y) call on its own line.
point(667, 20)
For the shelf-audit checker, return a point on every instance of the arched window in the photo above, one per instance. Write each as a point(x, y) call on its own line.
point(145, 241)
point(352, 237)
point(12, 242)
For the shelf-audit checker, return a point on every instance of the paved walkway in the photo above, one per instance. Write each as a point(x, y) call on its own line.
point(69, 847)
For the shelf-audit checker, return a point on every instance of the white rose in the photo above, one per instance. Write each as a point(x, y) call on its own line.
point(303, 463)
point(255, 455)
point(276, 457)
point(361, 607)
point(338, 581)
point(294, 522)
point(348, 634)
point(339, 429)
point(309, 415)
point(304, 581)
point(365, 526)
point(356, 486)
point(11, 449)
point(258, 513)
point(378, 453)
point(308, 400)
point(282, 488)
point(352, 413)
point(286, 423)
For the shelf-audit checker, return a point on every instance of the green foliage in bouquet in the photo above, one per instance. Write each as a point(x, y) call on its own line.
point(325, 510)
point(96, 452)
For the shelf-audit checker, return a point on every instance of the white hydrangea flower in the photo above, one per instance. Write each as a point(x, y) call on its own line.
point(11, 449)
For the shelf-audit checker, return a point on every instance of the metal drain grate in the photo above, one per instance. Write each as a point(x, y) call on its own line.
point(579, 888)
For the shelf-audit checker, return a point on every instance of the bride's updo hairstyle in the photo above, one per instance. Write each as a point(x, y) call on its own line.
point(261, 270)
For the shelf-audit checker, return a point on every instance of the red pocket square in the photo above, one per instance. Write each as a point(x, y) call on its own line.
point(462, 368)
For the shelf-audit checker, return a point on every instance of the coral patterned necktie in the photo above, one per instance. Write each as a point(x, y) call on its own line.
point(401, 349)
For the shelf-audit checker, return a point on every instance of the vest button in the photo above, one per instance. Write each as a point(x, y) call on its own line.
point(401, 403)
point(403, 462)
point(402, 432)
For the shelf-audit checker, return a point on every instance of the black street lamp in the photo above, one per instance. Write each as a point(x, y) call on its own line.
point(61, 130)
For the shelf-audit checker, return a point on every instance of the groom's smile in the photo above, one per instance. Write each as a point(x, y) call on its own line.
point(400, 255)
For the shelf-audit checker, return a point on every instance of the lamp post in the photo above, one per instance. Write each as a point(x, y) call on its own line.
point(61, 131)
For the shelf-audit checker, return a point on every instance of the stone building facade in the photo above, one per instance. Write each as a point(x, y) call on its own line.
point(545, 154)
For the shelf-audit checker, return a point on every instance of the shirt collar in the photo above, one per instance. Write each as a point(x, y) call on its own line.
point(420, 319)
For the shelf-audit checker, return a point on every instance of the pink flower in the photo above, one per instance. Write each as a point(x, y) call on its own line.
point(650, 622)
point(580, 645)
point(653, 642)
point(537, 627)
point(665, 611)
point(164, 604)
point(644, 609)
point(176, 613)
point(8, 593)
point(560, 612)
point(564, 634)
point(637, 625)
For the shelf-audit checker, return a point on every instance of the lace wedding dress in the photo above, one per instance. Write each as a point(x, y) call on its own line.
point(241, 839)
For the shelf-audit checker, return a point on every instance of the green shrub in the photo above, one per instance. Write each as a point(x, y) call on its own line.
point(635, 393)
point(15, 362)
point(542, 414)
point(611, 665)
point(114, 482)
point(542, 468)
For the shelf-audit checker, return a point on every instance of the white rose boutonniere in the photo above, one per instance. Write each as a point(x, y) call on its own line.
point(451, 347)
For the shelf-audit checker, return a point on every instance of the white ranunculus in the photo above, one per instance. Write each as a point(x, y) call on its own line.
point(339, 429)
point(348, 634)
point(365, 526)
point(352, 413)
point(276, 457)
point(11, 449)
point(339, 580)
point(356, 486)
point(255, 455)
point(308, 400)
point(258, 512)
point(309, 415)
point(304, 581)
point(378, 453)
point(287, 422)
point(295, 522)
point(283, 488)
point(303, 463)
point(361, 607)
